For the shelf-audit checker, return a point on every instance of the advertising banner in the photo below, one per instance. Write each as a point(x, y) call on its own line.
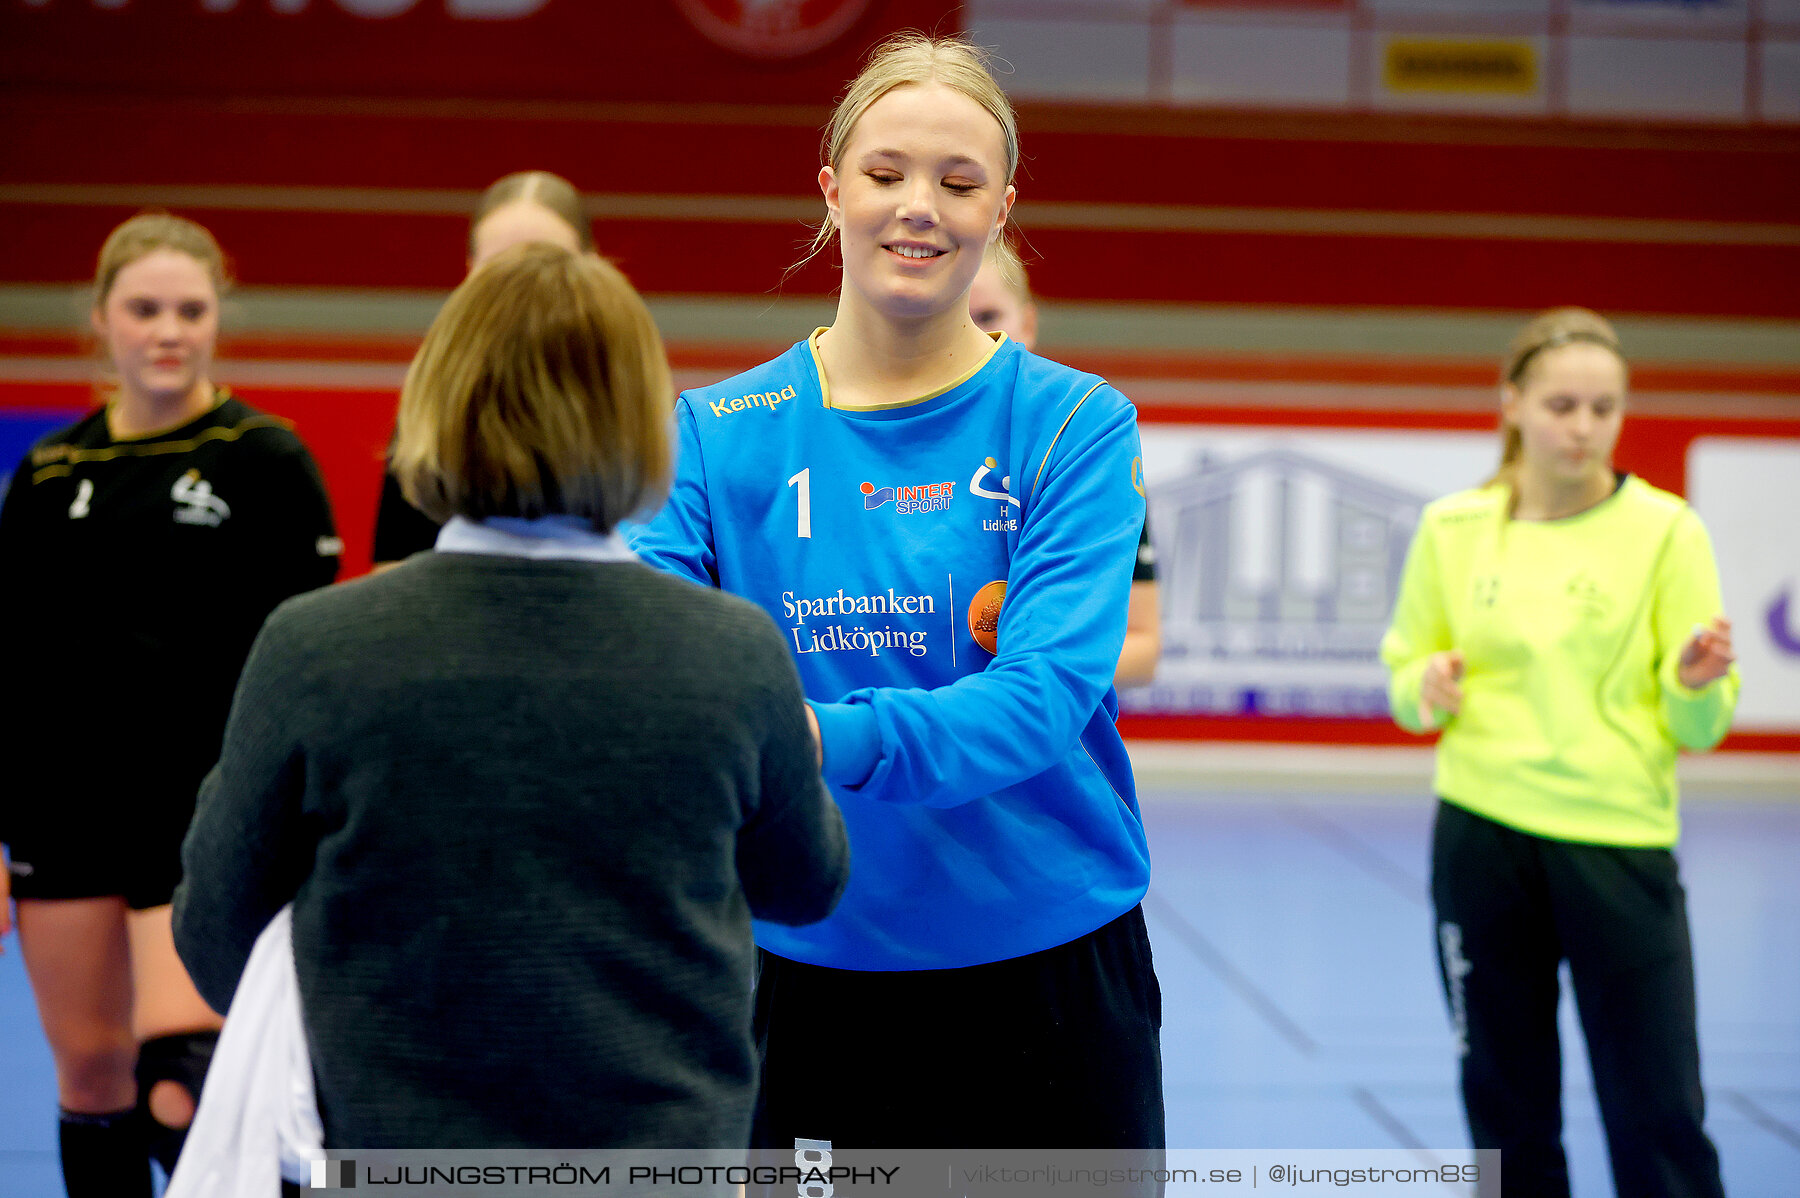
point(1279, 552)
point(1748, 491)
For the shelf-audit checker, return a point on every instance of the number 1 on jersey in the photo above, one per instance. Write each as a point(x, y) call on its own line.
point(803, 480)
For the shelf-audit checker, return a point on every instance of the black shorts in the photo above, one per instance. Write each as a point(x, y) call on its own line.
point(1057, 1049)
point(74, 852)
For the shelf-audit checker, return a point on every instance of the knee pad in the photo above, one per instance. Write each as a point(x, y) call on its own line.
point(182, 1058)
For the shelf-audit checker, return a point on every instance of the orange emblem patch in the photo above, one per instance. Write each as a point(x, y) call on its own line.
point(984, 613)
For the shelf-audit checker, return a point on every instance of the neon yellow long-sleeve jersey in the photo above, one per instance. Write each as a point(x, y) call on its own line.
point(1570, 631)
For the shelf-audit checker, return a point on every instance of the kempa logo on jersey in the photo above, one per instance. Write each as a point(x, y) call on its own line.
point(857, 638)
point(195, 502)
point(925, 497)
point(765, 399)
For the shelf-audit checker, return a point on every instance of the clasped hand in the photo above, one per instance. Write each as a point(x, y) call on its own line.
point(1707, 655)
point(1704, 659)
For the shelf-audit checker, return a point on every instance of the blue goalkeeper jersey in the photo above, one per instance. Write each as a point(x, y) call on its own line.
point(989, 801)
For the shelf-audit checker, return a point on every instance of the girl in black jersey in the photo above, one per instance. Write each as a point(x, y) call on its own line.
point(143, 547)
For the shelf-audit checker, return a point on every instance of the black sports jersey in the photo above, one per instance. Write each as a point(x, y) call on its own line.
point(1144, 569)
point(136, 574)
point(401, 529)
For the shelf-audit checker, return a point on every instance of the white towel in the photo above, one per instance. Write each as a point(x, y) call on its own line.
point(258, 1119)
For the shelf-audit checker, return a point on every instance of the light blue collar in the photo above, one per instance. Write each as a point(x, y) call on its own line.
point(558, 537)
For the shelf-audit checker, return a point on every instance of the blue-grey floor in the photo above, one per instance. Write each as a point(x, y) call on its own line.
point(1293, 940)
point(1301, 1006)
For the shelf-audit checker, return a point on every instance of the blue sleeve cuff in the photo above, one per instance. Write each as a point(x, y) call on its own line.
point(852, 741)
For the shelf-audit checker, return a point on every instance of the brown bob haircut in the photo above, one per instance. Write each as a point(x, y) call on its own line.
point(541, 389)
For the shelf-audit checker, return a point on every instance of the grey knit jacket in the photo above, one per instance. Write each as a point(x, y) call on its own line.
point(525, 811)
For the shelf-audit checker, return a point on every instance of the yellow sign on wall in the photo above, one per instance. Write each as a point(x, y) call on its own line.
point(1454, 65)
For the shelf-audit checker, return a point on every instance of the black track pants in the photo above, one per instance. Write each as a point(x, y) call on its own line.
point(1510, 907)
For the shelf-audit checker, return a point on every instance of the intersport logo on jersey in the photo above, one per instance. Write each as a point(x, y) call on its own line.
point(909, 500)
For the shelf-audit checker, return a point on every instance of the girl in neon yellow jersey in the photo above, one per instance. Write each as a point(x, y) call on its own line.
point(1561, 624)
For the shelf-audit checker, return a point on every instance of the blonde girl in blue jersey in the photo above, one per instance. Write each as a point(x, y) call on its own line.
point(944, 526)
point(1562, 626)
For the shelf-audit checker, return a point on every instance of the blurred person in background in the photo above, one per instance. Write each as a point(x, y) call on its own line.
point(521, 207)
point(1001, 302)
point(523, 794)
point(1561, 625)
point(144, 546)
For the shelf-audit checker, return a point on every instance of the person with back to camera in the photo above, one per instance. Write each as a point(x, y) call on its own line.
point(1001, 302)
point(144, 544)
point(1561, 624)
point(944, 525)
point(523, 793)
point(521, 207)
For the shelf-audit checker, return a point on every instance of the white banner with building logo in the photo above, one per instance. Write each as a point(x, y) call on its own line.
point(1278, 555)
point(1747, 489)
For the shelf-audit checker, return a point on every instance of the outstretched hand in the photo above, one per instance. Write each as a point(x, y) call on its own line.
point(1440, 687)
point(1707, 655)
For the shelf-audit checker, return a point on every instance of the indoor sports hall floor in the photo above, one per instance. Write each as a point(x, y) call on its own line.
point(1294, 944)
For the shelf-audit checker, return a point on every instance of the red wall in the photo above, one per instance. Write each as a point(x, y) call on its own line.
point(330, 150)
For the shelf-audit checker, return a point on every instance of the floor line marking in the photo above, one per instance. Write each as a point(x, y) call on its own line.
point(1753, 1111)
point(1370, 859)
point(1235, 979)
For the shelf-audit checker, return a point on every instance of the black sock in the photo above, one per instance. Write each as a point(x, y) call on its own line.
point(104, 1155)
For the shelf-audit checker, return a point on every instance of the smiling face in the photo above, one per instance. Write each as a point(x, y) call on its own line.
point(1568, 409)
point(518, 223)
point(159, 323)
point(919, 192)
